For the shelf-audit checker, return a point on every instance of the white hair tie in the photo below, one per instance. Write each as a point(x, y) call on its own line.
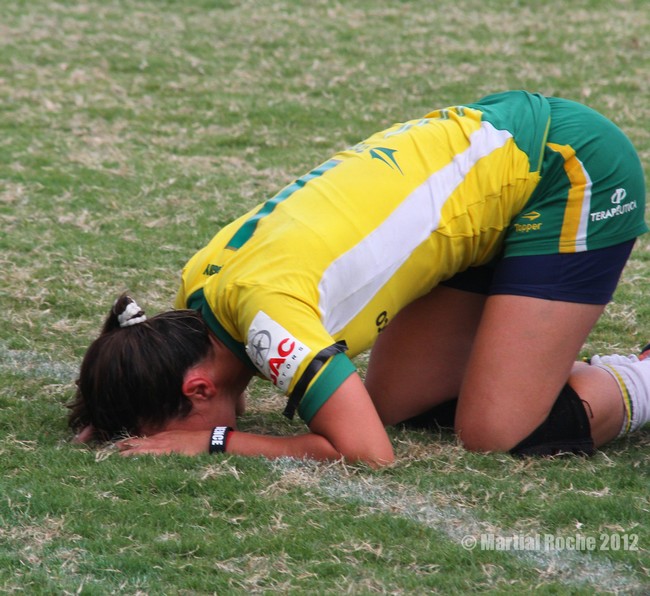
point(132, 315)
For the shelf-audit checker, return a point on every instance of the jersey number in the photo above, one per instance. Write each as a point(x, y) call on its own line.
point(381, 321)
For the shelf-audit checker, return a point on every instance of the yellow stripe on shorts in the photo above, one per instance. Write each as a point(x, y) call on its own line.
point(573, 237)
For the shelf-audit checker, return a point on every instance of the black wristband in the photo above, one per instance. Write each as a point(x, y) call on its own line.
point(218, 439)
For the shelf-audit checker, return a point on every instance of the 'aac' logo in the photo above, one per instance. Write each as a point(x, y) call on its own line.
point(285, 348)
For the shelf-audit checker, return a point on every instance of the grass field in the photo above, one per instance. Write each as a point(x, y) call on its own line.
point(129, 133)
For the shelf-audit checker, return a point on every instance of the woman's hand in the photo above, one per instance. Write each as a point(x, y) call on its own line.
point(186, 442)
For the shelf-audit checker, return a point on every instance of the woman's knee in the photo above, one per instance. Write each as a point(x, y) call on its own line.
point(565, 428)
point(483, 437)
point(494, 428)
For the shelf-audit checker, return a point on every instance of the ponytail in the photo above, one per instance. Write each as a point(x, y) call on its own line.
point(125, 313)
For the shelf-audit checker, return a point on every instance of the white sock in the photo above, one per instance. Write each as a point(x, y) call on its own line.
point(633, 378)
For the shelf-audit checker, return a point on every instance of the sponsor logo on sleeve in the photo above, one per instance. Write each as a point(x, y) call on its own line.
point(621, 208)
point(274, 351)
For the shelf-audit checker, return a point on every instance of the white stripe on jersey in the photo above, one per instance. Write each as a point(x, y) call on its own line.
point(355, 277)
point(581, 234)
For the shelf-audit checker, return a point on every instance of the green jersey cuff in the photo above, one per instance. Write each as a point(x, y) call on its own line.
point(338, 369)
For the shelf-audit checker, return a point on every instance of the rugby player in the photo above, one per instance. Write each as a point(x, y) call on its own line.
point(473, 250)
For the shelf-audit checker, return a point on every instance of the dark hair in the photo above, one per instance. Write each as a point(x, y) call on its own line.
point(132, 374)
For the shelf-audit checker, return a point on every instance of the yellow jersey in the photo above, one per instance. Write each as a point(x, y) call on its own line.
point(308, 279)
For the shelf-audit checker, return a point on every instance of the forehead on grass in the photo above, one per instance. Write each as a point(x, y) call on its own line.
point(131, 132)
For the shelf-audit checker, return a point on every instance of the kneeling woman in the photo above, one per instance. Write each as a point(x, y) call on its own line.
point(474, 248)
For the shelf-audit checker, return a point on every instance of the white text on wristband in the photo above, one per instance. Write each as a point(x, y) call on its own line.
point(218, 439)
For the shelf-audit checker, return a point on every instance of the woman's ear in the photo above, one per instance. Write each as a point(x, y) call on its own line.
point(198, 386)
point(210, 406)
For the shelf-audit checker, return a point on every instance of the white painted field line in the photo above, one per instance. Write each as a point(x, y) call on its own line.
point(575, 568)
point(32, 364)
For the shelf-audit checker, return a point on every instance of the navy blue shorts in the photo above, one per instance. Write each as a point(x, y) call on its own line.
point(588, 277)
